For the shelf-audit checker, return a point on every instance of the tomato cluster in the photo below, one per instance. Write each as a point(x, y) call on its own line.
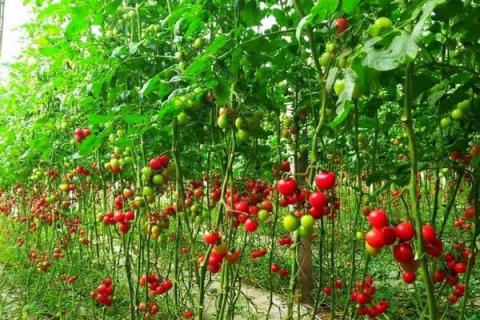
point(156, 284)
point(121, 218)
point(363, 295)
point(103, 294)
point(81, 134)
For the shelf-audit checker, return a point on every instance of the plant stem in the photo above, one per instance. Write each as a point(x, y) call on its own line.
point(408, 124)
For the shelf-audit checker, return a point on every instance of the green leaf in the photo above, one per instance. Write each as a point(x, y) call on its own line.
point(281, 17)
point(323, 9)
point(96, 119)
point(344, 102)
point(251, 14)
point(76, 27)
point(204, 62)
point(402, 47)
point(305, 21)
point(92, 142)
point(155, 85)
point(349, 6)
point(332, 75)
point(343, 111)
point(426, 13)
point(367, 123)
point(49, 51)
point(221, 92)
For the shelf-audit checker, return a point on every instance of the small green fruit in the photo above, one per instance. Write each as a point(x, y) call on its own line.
point(339, 86)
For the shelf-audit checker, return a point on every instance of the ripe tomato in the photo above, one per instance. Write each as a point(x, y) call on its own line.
point(317, 199)
point(403, 252)
point(375, 238)
point(211, 237)
point(287, 186)
point(325, 180)
point(439, 276)
point(274, 267)
point(469, 213)
point(408, 277)
point(460, 267)
point(251, 225)
point(317, 212)
point(389, 235)
point(187, 314)
point(404, 231)
point(341, 24)
point(428, 233)
point(378, 218)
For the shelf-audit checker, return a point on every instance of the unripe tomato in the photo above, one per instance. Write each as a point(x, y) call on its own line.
point(290, 223)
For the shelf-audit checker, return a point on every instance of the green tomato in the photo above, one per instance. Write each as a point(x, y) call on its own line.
point(304, 232)
point(290, 223)
point(263, 214)
point(242, 135)
point(463, 105)
point(457, 114)
point(198, 219)
point(339, 86)
point(157, 179)
point(381, 24)
point(120, 133)
point(259, 114)
point(240, 123)
point(198, 43)
point(307, 221)
point(222, 122)
point(148, 191)
point(342, 62)
point(445, 122)
point(195, 207)
point(359, 235)
point(330, 47)
point(182, 117)
point(325, 59)
point(147, 171)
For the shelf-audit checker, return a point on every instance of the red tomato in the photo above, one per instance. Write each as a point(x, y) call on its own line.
point(375, 238)
point(251, 225)
point(403, 252)
point(378, 218)
point(408, 277)
point(317, 199)
point(325, 180)
point(287, 186)
point(428, 233)
point(341, 24)
point(404, 231)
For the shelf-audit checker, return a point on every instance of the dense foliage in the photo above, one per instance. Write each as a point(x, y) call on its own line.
point(157, 157)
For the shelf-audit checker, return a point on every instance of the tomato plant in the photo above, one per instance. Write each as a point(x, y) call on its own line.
point(169, 157)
